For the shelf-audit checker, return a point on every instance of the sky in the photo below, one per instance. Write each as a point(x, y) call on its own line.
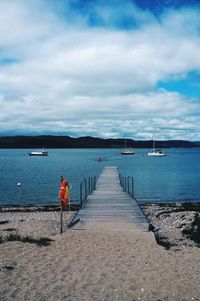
point(109, 69)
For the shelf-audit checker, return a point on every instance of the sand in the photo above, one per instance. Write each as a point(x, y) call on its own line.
point(93, 265)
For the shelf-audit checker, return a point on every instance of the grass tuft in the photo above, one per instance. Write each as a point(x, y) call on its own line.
point(8, 267)
point(1, 240)
point(9, 229)
point(42, 241)
point(4, 222)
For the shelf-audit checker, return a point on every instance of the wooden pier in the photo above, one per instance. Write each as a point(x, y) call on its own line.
point(110, 208)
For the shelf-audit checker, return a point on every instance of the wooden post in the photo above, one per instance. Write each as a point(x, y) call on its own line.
point(69, 205)
point(61, 219)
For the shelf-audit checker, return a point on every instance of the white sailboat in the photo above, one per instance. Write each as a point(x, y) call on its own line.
point(156, 152)
point(127, 151)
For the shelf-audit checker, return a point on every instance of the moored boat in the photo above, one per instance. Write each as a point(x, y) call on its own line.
point(127, 151)
point(38, 153)
point(156, 152)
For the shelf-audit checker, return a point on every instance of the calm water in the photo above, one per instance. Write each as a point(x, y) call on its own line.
point(172, 178)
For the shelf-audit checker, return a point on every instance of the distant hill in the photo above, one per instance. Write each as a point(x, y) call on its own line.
point(86, 142)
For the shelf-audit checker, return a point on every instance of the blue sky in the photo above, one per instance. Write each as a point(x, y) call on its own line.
point(101, 68)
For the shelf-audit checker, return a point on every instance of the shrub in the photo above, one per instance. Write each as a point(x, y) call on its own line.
point(193, 232)
point(163, 241)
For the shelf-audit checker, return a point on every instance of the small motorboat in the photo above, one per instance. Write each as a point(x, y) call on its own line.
point(38, 153)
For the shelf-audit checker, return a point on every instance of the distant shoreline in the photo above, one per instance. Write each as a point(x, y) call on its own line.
point(47, 141)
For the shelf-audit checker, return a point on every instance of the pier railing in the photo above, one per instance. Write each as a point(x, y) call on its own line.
point(127, 184)
point(86, 187)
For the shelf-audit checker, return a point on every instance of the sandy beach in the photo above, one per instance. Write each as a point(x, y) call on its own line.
point(94, 265)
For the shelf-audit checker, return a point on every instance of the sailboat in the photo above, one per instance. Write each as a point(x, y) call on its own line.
point(127, 151)
point(156, 152)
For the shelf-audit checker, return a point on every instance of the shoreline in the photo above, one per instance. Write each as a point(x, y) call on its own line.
point(169, 222)
point(35, 208)
point(52, 207)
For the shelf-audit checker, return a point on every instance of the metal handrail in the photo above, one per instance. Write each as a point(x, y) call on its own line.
point(83, 192)
point(131, 192)
point(124, 184)
point(130, 188)
point(89, 184)
point(127, 184)
point(86, 187)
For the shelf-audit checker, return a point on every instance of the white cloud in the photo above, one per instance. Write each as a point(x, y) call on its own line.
point(97, 81)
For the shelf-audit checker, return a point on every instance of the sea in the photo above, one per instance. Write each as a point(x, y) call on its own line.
point(29, 180)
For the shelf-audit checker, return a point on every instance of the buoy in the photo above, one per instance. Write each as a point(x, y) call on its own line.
point(18, 184)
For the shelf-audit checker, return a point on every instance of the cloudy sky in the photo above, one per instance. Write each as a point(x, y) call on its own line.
point(106, 68)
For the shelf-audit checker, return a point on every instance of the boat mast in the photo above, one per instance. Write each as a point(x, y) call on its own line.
point(153, 142)
point(153, 145)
